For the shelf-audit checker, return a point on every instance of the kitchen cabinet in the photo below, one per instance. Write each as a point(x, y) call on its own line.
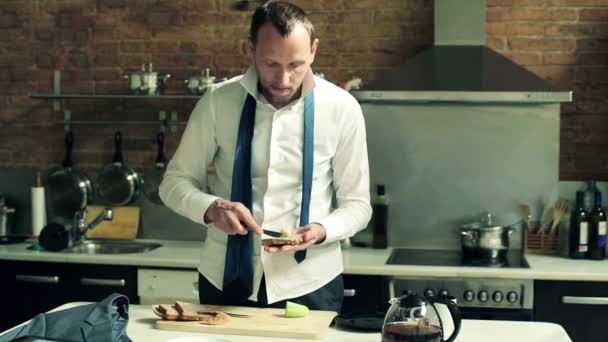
point(580, 307)
point(156, 285)
point(29, 288)
point(365, 293)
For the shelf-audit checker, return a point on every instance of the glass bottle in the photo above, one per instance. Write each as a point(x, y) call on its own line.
point(579, 229)
point(589, 198)
point(380, 218)
point(597, 230)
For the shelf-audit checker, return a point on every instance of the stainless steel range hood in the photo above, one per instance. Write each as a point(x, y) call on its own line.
point(460, 68)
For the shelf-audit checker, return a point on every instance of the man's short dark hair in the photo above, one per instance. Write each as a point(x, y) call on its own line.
point(283, 16)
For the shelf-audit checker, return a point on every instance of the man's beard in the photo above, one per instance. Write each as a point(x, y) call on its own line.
point(278, 101)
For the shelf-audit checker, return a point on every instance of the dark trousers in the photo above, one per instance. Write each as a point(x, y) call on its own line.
point(328, 297)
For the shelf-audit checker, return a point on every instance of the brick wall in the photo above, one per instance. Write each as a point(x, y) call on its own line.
point(94, 43)
point(565, 41)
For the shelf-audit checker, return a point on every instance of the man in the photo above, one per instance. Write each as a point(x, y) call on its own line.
point(290, 152)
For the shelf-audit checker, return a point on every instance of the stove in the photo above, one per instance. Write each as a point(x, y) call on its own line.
point(477, 298)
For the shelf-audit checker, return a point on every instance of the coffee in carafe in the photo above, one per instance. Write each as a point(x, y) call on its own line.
point(410, 332)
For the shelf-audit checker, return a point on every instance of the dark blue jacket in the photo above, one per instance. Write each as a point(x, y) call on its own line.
point(105, 321)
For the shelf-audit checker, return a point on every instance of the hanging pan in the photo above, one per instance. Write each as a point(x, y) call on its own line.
point(67, 190)
point(118, 184)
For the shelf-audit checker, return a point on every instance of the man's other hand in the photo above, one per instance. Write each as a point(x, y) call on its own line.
point(310, 234)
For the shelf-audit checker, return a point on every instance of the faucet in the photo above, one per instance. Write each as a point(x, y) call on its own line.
point(80, 227)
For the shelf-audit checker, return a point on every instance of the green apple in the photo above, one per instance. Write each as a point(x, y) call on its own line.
point(295, 310)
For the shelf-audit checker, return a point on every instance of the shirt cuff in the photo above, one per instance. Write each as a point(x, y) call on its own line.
point(334, 229)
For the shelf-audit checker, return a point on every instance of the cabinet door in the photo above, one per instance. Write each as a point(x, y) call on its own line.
point(30, 288)
point(365, 294)
point(92, 283)
point(580, 307)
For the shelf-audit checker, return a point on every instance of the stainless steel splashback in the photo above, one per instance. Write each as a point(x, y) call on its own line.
point(443, 164)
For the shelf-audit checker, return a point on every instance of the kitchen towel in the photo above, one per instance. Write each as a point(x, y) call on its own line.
point(38, 210)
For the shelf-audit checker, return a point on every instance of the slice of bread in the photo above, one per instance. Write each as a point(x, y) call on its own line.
point(195, 312)
point(281, 241)
point(168, 311)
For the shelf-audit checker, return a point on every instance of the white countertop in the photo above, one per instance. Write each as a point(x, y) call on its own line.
point(365, 261)
point(141, 328)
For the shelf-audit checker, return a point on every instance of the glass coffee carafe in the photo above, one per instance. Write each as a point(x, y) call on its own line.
point(412, 318)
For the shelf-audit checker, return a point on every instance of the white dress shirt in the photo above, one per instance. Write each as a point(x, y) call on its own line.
point(340, 198)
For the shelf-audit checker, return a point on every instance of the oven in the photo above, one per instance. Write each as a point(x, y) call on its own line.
point(478, 298)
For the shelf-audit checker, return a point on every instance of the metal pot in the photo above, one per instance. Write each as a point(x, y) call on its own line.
point(485, 241)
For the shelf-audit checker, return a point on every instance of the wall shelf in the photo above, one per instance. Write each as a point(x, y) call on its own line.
point(57, 99)
point(111, 97)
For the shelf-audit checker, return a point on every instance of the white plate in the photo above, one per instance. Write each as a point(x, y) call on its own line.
point(198, 339)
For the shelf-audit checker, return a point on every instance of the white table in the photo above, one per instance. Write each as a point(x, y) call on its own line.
point(142, 319)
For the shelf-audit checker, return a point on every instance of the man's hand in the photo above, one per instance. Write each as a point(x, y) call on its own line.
point(310, 234)
point(231, 217)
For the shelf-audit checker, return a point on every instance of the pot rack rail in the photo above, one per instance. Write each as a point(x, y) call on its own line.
point(58, 99)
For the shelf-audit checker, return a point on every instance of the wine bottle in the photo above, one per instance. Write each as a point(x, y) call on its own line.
point(579, 229)
point(380, 218)
point(597, 230)
point(589, 197)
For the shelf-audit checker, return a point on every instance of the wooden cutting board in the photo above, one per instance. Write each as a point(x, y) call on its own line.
point(263, 322)
point(123, 226)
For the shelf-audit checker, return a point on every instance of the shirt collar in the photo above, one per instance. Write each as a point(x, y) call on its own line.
point(250, 83)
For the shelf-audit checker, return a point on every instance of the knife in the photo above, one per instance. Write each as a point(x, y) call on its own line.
point(271, 233)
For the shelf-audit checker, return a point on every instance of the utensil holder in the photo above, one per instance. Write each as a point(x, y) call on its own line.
point(542, 242)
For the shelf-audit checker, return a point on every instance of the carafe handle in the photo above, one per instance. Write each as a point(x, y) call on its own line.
point(454, 312)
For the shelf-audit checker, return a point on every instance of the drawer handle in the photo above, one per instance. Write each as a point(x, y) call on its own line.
point(585, 300)
point(23, 278)
point(102, 282)
point(350, 292)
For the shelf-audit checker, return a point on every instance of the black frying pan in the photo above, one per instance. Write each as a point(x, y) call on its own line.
point(67, 190)
point(153, 176)
point(118, 184)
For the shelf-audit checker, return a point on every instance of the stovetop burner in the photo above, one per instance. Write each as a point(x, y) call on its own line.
point(427, 257)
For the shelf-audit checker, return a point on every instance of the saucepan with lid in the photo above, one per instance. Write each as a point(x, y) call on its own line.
point(485, 240)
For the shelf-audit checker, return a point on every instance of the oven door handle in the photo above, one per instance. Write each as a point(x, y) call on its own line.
point(585, 300)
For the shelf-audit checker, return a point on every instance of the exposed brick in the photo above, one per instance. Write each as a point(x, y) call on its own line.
point(592, 44)
point(576, 3)
point(45, 35)
point(496, 43)
point(5, 74)
point(45, 61)
point(114, 3)
point(494, 14)
point(492, 3)
point(373, 4)
point(562, 30)
point(536, 44)
point(592, 74)
point(525, 29)
point(9, 20)
point(534, 14)
point(524, 58)
point(559, 59)
point(79, 59)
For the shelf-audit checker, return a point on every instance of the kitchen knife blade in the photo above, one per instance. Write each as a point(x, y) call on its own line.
point(271, 233)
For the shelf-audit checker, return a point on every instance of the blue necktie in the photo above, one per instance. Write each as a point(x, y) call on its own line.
point(239, 265)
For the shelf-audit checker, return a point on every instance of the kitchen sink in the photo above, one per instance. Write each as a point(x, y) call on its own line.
point(111, 247)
